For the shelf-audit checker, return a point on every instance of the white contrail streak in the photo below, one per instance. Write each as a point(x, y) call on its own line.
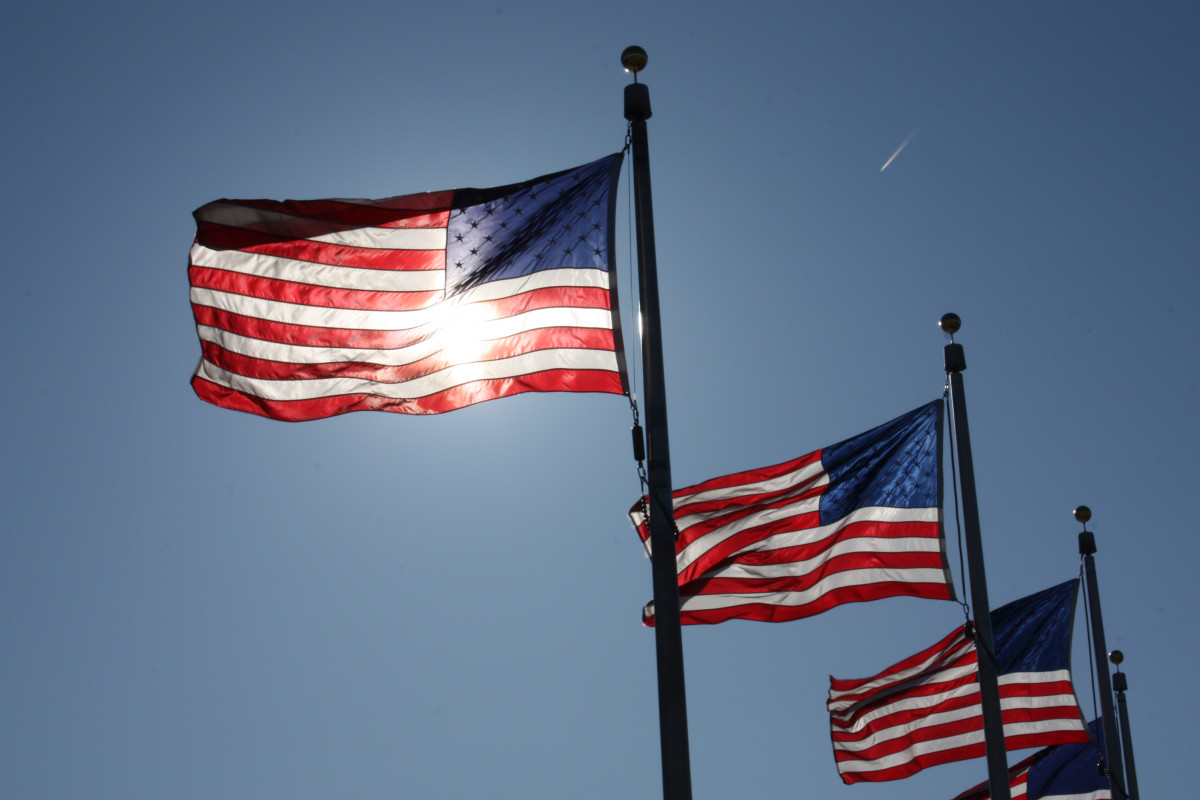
point(898, 149)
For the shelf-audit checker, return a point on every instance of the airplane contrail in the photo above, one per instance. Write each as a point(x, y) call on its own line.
point(898, 149)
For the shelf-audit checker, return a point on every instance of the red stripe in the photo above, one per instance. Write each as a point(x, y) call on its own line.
point(273, 289)
point(1046, 738)
point(449, 400)
point(751, 476)
point(798, 583)
point(947, 648)
point(950, 730)
point(738, 511)
point(220, 237)
point(1016, 774)
point(951, 754)
point(528, 342)
point(729, 548)
point(551, 297)
point(868, 529)
point(919, 763)
point(925, 733)
point(852, 706)
point(907, 740)
point(306, 335)
point(305, 294)
point(841, 729)
point(739, 548)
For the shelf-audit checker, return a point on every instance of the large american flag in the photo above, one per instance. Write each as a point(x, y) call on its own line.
point(860, 520)
point(925, 710)
point(1063, 772)
point(417, 304)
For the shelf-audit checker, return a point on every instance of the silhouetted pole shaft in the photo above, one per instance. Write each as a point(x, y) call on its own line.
point(668, 636)
point(1087, 546)
point(989, 686)
point(1120, 685)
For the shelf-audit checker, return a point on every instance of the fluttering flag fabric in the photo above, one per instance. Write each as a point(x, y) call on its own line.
point(925, 710)
point(860, 520)
point(1064, 772)
point(417, 304)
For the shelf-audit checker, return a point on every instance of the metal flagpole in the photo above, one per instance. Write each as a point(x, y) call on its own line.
point(1120, 686)
point(1087, 546)
point(668, 637)
point(989, 686)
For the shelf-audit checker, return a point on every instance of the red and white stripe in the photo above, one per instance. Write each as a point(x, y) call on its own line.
point(310, 309)
point(751, 546)
point(1018, 783)
point(925, 711)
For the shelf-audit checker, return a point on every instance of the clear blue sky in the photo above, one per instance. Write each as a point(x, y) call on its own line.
point(197, 603)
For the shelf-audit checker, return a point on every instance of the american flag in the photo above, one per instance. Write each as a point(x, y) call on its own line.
point(925, 710)
point(417, 304)
point(1064, 772)
point(860, 520)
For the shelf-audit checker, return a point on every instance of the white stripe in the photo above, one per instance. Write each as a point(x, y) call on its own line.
point(905, 730)
point(458, 375)
point(865, 514)
point(307, 272)
point(867, 689)
point(440, 338)
point(862, 720)
point(1099, 794)
point(797, 569)
point(858, 577)
point(918, 749)
point(558, 278)
point(1030, 681)
point(798, 477)
point(694, 550)
point(800, 505)
point(355, 319)
point(1063, 701)
point(258, 219)
point(1035, 677)
point(1043, 726)
point(294, 314)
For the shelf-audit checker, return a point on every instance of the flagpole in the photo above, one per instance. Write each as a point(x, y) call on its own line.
point(989, 685)
point(668, 636)
point(1087, 546)
point(1120, 686)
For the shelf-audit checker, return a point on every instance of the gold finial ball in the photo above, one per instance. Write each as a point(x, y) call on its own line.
point(1116, 656)
point(1083, 514)
point(634, 59)
point(950, 323)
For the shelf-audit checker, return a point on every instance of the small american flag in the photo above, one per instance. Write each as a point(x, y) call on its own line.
point(1064, 772)
point(417, 304)
point(859, 520)
point(925, 710)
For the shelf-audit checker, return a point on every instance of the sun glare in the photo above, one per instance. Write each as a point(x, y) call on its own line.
point(462, 332)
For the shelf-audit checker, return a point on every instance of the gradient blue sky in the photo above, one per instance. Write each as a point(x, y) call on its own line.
point(196, 603)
